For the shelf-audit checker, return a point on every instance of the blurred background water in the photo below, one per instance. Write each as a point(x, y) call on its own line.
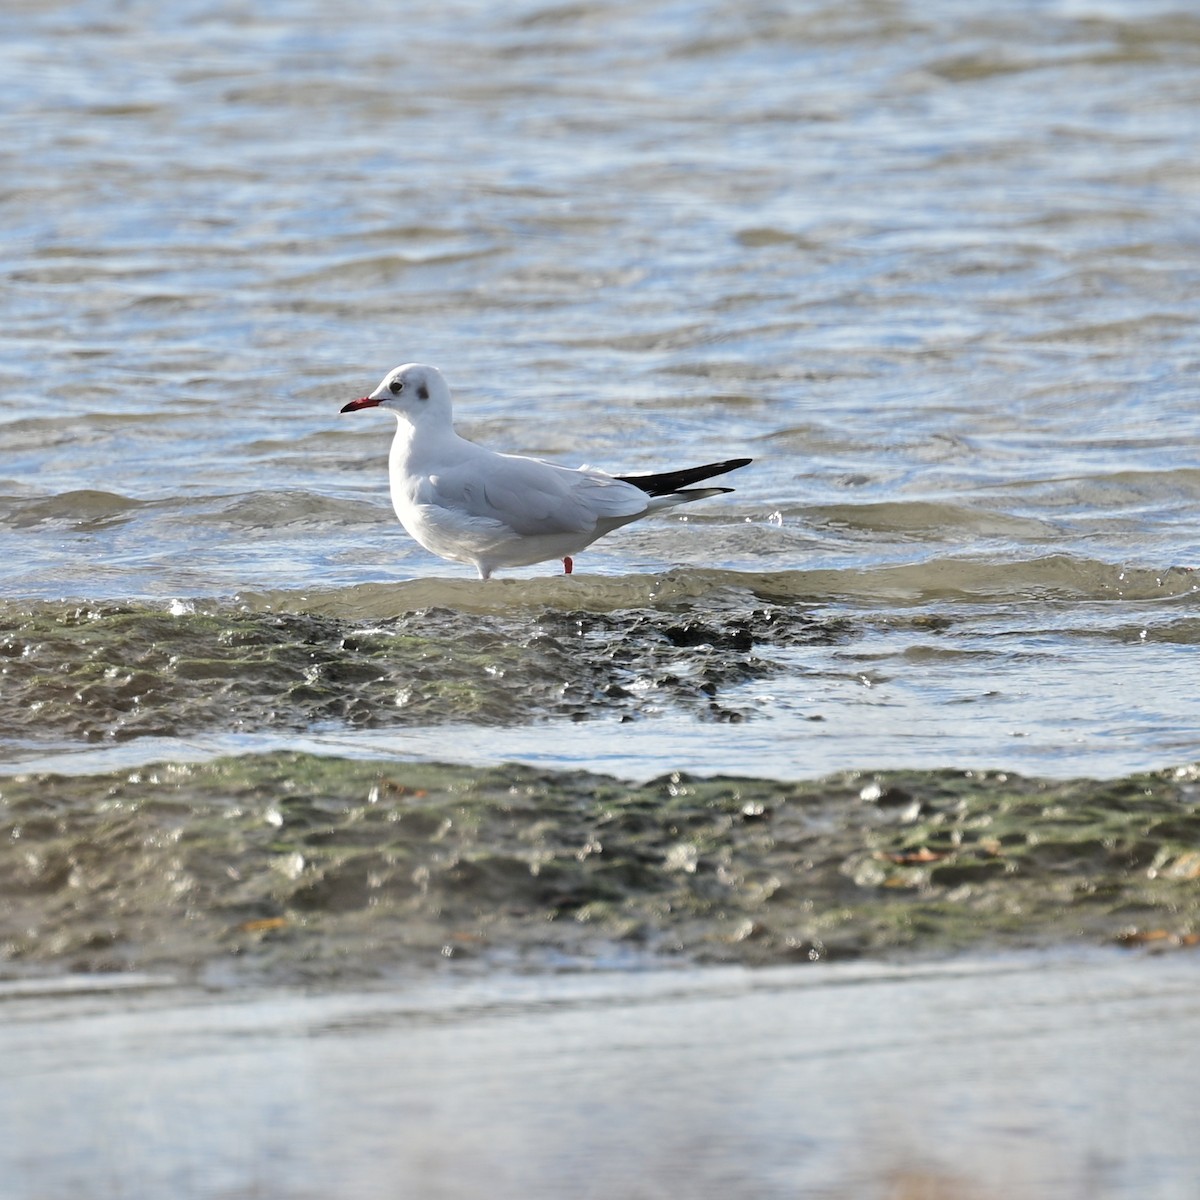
point(934, 265)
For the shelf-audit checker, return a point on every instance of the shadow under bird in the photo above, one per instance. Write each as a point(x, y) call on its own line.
point(473, 505)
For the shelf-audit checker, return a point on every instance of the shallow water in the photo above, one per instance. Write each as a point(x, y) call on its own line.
point(933, 267)
point(1053, 666)
point(1031, 1076)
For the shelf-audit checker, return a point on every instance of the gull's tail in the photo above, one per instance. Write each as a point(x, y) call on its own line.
point(674, 483)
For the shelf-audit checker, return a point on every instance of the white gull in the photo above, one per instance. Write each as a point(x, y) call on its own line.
point(473, 505)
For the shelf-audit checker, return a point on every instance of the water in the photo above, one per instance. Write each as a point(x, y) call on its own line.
point(934, 267)
point(1028, 1076)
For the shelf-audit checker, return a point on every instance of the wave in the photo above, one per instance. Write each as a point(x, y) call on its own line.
point(933, 580)
point(84, 508)
point(288, 508)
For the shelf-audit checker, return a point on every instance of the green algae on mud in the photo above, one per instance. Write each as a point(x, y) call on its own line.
point(290, 866)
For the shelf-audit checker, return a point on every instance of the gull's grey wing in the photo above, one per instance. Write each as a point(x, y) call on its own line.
point(534, 498)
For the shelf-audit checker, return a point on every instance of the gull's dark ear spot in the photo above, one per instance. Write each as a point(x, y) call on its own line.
point(422, 392)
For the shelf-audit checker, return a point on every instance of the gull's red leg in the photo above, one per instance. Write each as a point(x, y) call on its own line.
point(568, 565)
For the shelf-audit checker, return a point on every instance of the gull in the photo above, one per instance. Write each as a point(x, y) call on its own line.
point(464, 502)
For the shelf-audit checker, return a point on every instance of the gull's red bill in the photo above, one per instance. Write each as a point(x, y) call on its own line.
point(364, 402)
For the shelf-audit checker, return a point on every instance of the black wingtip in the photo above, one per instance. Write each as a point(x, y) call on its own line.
point(674, 481)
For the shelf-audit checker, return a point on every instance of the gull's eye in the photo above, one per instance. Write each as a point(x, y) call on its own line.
point(396, 387)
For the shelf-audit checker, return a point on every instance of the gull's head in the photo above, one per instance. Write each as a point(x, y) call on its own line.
point(414, 391)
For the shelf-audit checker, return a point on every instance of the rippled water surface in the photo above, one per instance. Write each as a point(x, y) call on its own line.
point(932, 265)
